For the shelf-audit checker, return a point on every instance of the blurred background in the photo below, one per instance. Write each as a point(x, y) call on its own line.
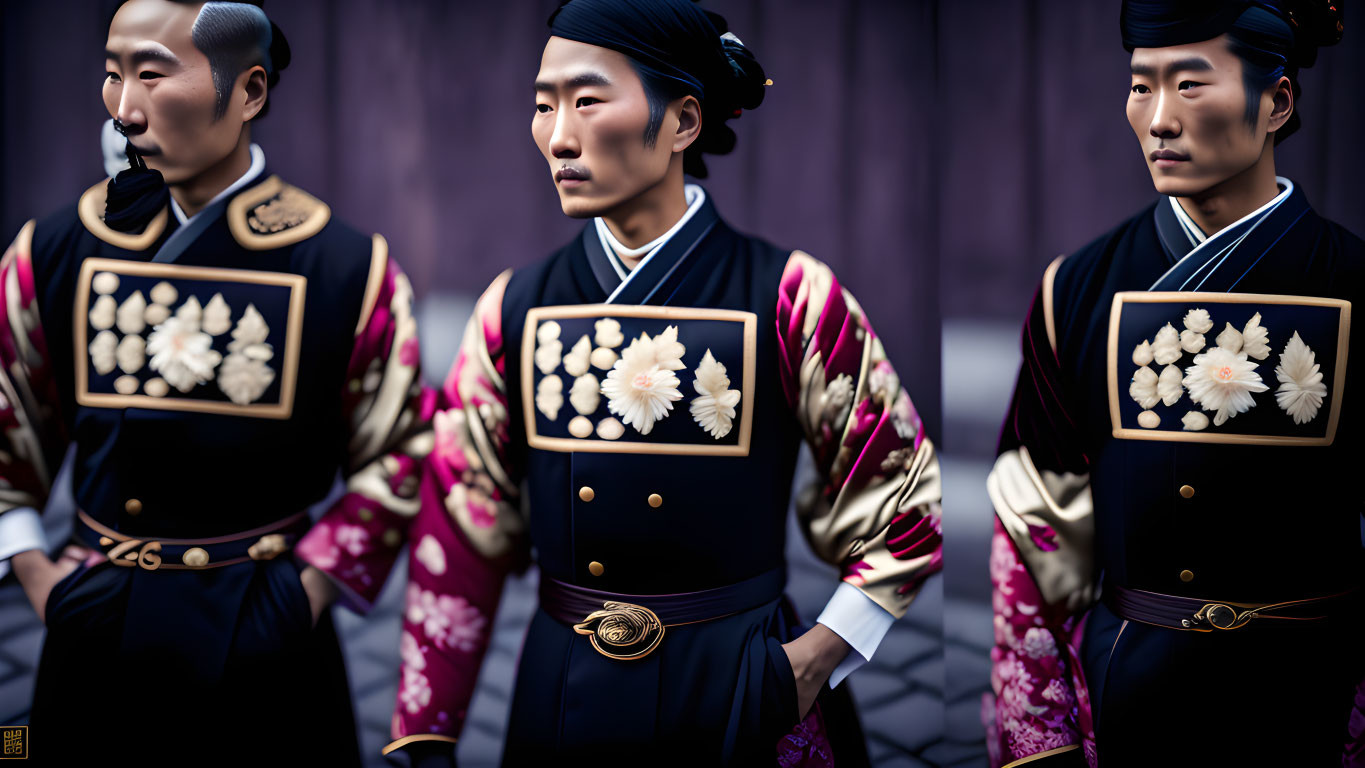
point(1038, 160)
point(413, 119)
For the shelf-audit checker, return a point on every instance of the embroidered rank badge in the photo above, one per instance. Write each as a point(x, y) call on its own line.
point(1227, 367)
point(639, 379)
point(180, 338)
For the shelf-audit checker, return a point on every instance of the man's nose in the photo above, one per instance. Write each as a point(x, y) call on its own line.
point(1164, 123)
point(564, 141)
point(130, 118)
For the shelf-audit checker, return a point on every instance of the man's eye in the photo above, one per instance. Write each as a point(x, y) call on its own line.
point(584, 101)
point(150, 75)
point(1185, 85)
point(1140, 88)
point(111, 77)
point(542, 108)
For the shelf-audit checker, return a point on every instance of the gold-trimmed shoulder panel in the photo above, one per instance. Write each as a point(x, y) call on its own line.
point(274, 214)
point(379, 265)
point(406, 740)
point(91, 212)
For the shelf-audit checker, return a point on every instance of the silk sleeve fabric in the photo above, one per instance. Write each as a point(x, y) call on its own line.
point(873, 511)
point(466, 538)
point(388, 414)
point(1041, 563)
point(32, 436)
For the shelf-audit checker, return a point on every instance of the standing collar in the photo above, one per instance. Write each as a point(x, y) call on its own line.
point(664, 257)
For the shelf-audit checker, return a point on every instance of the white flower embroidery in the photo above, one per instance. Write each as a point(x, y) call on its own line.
point(450, 622)
point(164, 293)
point(608, 333)
point(157, 387)
point(132, 353)
point(550, 396)
point(641, 388)
point(102, 314)
point(836, 400)
point(102, 351)
point(547, 356)
point(416, 693)
point(130, 314)
point(105, 282)
point(580, 426)
point(126, 385)
point(1166, 345)
point(190, 313)
point(1191, 342)
point(1195, 421)
point(548, 331)
point(410, 652)
point(431, 555)
point(714, 406)
point(1301, 389)
point(1255, 338)
point(244, 376)
point(182, 354)
point(1168, 384)
point(1149, 420)
point(1143, 388)
point(1198, 321)
point(610, 429)
point(585, 394)
point(217, 316)
point(1222, 381)
point(351, 538)
point(156, 314)
point(576, 362)
point(1142, 355)
point(603, 358)
point(1230, 339)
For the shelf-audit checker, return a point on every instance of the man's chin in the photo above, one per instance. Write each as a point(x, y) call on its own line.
point(580, 208)
point(1174, 186)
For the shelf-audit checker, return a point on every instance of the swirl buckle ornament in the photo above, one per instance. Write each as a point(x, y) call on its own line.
point(1220, 616)
point(622, 631)
point(146, 557)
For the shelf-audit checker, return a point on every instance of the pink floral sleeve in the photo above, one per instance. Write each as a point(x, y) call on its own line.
point(389, 413)
point(32, 439)
point(466, 537)
point(875, 512)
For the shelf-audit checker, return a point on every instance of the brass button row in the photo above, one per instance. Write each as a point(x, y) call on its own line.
point(1187, 491)
point(586, 494)
point(132, 506)
point(596, 568)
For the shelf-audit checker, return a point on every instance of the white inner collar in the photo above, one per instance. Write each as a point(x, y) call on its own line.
point(257, 167)
point(615, 251)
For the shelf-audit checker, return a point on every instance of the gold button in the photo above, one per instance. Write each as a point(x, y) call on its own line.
point(132, 506)
point(595, 568)
point(1187, 575)
point(655, 500)
point(194, 556)
point(1187, 491)
point(586, 494)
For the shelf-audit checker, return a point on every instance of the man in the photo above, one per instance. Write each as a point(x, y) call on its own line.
point(1177, 554)
point(650, 383)
point(218, 348)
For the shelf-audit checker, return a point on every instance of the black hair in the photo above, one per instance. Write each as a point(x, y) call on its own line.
point(236, 36)
point(678, 50)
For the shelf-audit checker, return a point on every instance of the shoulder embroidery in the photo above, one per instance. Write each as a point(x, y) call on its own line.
point(91, 211)
point(274, 214)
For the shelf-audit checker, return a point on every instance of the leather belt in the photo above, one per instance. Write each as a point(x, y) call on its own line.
point(1199, 615)
point(627, 627)
point(154, 553)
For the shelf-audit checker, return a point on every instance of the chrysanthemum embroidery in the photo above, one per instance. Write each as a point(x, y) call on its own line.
point(1222, 381)
point(1143, 388)
point(245, 375)
point(181, 353)
point(1166, 345)
point(642, 386)
point(1301, 389)
point(714, 406)
point(550, 396)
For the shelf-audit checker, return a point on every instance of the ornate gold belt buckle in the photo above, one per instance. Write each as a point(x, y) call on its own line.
point(1221, 616)
point(136, 552)
point(622, 631)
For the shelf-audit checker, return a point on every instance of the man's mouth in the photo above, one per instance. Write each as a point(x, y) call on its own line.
point(151, 151)
point(570, 176)
point(1168, 158)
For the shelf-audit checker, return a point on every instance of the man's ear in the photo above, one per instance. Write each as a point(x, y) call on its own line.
point(1281, 104)
point(689, 122)
point(251, 92)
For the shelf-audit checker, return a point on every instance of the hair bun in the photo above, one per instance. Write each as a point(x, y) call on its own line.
point(280, 53)
point(1317, 24)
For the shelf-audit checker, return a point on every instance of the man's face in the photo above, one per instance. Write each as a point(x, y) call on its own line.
point(1187, 106)
point(160, 86)
point(591, 115)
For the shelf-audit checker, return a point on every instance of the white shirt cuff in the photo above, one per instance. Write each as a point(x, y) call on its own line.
point(21, 529)
point(862, 624)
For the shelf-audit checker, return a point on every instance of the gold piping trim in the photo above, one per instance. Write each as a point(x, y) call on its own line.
point(406, 740)
point(241, 206)
point(1172, 297)
point(588, 445)
point(297, 284)
point(1048, 322)
point(379, 265)
point(91, 212)
point(1041, 755)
